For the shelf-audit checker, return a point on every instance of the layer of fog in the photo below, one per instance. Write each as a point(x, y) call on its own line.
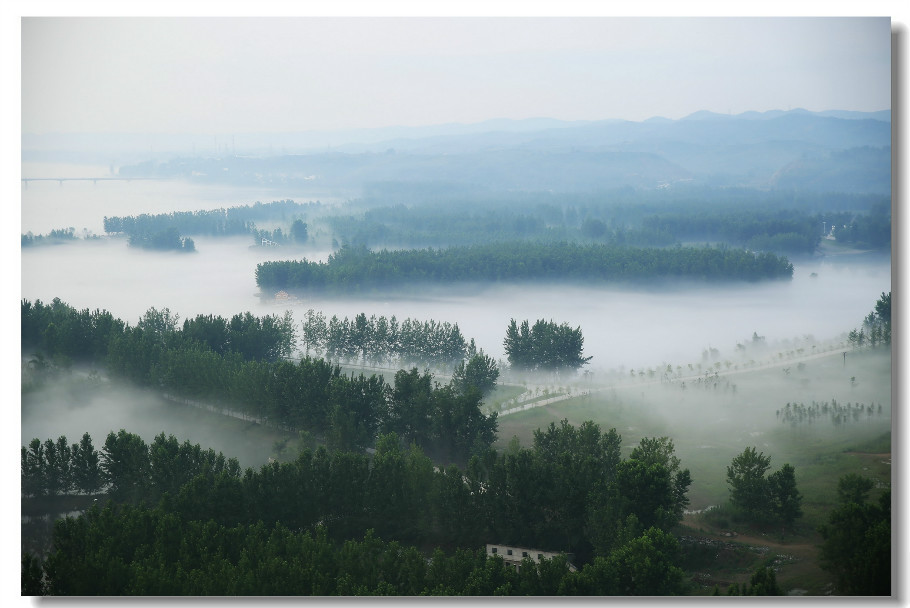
point(623, 327)
point(50, 205)
point(71, 405)
point(713, 420)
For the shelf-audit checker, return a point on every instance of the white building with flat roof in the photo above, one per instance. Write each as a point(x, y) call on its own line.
point(513, 556)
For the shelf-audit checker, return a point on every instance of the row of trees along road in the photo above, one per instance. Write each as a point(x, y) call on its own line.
point(571, 491)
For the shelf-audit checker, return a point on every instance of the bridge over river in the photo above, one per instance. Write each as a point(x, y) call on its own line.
point(94, 180)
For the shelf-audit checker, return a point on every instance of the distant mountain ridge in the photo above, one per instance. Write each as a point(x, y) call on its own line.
point(883, 115)
point(794, 149)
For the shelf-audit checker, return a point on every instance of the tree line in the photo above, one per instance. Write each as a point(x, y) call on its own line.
point(867, 230)
point(237, 220)
point(385, 341)
point(421, 226)
point(357, 269)
point(315, 526)
point(571, 491)
point(799, 413)
point(296, 234)
point(126, 468)
point(876, 327)
point(763, 221)
point(164, 231)
point(240, 365)
point(313, 395)
point(140, 551)
point(59, 330)
point(54, 237)
point(168, 239)
point(55, 467)
point(789, 231)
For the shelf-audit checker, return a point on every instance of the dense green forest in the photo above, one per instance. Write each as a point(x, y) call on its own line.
point(182, 520)
point(240, 365)
point(353, 269)
point(60, 331)
point(571, 492)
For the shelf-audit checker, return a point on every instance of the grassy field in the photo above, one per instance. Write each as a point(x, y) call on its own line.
point(711, 424)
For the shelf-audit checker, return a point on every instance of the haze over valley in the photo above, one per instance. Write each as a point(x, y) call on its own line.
point(515, 322)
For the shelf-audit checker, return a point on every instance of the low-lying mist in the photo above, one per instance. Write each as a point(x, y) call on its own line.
point(712, 418)
point(48, 205)
point(624, 327)
point(73, 404)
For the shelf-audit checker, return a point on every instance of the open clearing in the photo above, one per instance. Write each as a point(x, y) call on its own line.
point(711, 422)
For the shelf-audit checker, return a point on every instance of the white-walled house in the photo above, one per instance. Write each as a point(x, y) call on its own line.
point(513, 556)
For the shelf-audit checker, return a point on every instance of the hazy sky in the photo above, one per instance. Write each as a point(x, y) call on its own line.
point(243, 75)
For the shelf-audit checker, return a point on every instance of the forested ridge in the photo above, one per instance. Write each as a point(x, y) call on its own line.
point(790, 151)
point(357, 269)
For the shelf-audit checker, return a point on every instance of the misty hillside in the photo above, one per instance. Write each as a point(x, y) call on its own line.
point(795, 150)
